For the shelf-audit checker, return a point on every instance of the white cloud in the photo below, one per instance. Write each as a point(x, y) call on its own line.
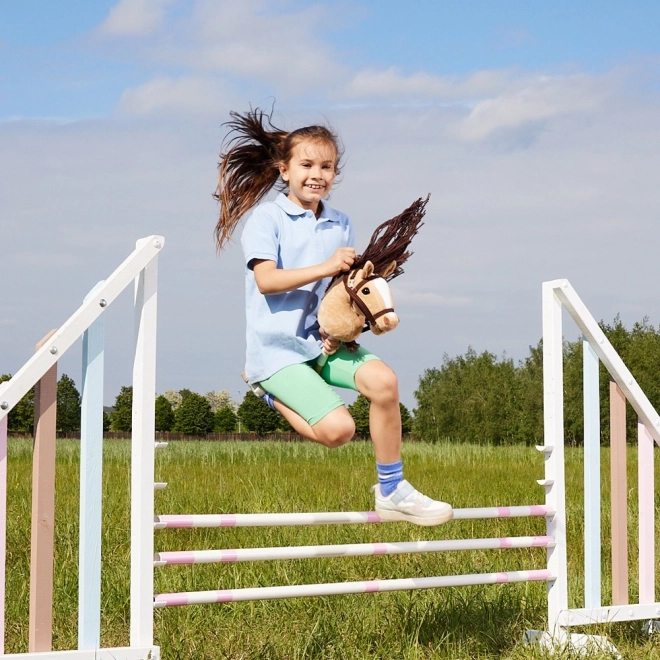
point(197, 96)
point(537, 101)
point(135, 17)
point(392, 83)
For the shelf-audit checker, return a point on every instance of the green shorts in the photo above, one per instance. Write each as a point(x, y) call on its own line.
point(303, 389)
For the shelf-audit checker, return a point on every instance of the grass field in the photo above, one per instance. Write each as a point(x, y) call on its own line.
point(206, 477)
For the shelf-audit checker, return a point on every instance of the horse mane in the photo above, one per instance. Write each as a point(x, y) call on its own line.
point(390, 241)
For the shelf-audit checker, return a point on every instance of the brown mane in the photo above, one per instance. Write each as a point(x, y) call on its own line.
point(390, 241)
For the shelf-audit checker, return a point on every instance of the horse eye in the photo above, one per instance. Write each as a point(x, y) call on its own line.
point(366, 291)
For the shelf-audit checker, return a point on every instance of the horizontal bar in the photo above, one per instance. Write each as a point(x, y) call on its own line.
point(589, 615)
point(118, 653)
point(340, 588)
point(348, 550)
point(329, 518)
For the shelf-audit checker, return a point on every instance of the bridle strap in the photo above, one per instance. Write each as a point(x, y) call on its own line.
point(370, 319)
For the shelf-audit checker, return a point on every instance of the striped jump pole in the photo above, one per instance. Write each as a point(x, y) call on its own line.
point(341, 588)
point(330, 518)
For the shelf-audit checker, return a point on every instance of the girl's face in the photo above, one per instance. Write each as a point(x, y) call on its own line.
point(310, 173)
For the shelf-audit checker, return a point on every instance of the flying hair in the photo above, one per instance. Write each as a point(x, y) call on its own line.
point(250, 160)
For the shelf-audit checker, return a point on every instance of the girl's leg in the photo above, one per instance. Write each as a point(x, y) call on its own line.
point(396, 499)
point(376, 381)
point(334, 430)
point(310, 405)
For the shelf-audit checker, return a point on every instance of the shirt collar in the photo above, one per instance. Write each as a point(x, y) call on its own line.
point(327, 213)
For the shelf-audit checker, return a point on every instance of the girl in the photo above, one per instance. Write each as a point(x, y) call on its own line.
point(292, 246)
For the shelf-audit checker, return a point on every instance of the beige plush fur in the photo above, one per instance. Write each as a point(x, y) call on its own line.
point(341, 319)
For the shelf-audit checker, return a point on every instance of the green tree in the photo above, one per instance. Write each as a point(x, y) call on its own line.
point(359, 410)
point(194, 416)
point(122, 417)
point(471, 398)
point(68, 405)
point(256, 415)
point(21, 416)
point(225, 420)
point(164, 414)
point(406, 419)
point(219, 399)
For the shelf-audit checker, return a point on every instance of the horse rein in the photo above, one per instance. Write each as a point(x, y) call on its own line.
point(370, 319)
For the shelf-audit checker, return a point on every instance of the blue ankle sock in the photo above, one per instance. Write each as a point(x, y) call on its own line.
point(269, 399)
point(390, 475)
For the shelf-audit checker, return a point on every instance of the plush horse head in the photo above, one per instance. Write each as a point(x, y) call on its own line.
point(361, 299)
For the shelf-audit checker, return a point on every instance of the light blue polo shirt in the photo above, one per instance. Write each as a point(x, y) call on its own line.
point(282, 328)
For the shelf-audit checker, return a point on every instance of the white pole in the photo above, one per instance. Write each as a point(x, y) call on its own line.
point(173, 521)
point(340, 588)
point(142, 461)
point(91, 473)
point(553, 423)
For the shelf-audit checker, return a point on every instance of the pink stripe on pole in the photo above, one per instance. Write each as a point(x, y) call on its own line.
point(172, 600)
point(371, 587)
point(224, 596)
point(539, 574)
point(538, 510)
point(505, 543)
point(501, 578)
point(229, 555)
point(183, 557)
point(504, 511)
point(539, 541)
point(177, 521)
point(228, 520)
point(380, 549)
point(372, 517)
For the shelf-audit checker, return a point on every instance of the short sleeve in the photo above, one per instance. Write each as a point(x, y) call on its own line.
point(261, 236)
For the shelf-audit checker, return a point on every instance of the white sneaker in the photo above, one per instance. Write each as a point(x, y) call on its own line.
point(408, 504)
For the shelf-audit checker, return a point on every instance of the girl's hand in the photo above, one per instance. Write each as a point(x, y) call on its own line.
point(330, 344)
point(340, 261)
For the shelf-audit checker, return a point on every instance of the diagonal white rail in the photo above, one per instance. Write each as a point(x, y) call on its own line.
point(73, 328)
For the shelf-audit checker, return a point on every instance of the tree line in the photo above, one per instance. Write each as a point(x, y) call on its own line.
point(483, 399)
point(478, 398)
point(182, 411)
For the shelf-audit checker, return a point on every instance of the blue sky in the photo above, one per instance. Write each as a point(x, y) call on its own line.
point(534, 125)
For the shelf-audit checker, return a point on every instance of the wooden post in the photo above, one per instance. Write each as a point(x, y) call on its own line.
point(43, 510)
point(618, 495)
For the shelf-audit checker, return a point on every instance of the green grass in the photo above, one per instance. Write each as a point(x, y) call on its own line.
point(205, 477)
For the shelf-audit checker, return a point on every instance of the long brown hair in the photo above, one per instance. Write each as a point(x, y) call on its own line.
point(249, 164)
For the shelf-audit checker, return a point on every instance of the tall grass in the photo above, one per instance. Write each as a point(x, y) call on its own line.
point(207, 477)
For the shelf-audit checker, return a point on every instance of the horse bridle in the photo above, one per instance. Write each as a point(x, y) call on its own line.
point(370, 319)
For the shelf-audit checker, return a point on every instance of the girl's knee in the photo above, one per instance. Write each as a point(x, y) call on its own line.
point(336, 432)
point(378, 382)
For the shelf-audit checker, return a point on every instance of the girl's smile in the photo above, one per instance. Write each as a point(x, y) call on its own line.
point(310, 173)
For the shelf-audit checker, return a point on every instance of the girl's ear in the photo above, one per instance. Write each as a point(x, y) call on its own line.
point(284, 171)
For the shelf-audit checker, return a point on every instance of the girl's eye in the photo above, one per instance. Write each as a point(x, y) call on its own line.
point(366, 291)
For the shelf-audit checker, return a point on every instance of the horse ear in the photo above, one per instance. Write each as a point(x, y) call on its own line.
point(389, 269)
point(368, 270)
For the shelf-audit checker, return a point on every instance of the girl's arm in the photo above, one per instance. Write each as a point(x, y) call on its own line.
point(271, 279)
